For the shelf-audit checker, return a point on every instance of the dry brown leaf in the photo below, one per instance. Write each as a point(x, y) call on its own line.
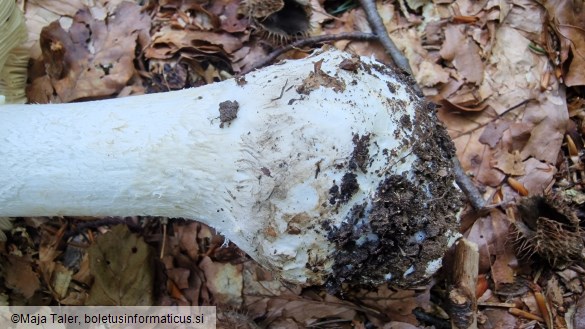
point(61, 280)
point(463, 52)
point(94, 58)
point(493, 133)
point(430, 74)
point(496, 233)
point(396, 304)
point(167, 42)
point(469, 63)
point(463, 100)
point(224, 281)
point(197, 293)
point(454, 39)
point(53, 273)
point(306, 311)
point(475, 157)
point(491, 233)
point(245, 57)
point(179, 276)
point(539, 177)
point(516, 137)
point(502, 272)
point(399, 325)
point(206, 56)
point(470, 8)
point(355, 20)
point(74, 298)
point(568, 19)
point(83, 275)
point(548, 117)
point(122, 267)
point(187, 236)
point(554, 293)
point(40, 13)
point(227, 12)
point(260, 287)
point(20, 276)
point(319, 15)
point(580, 313)
point(509, 163)
point(268, 298)
point(497, 318)
point(535, 128)
point(446, 90)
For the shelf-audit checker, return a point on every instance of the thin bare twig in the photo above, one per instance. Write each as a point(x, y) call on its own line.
point(463, 181)
point(369, 6)
point(467, 186)
point(360, 36)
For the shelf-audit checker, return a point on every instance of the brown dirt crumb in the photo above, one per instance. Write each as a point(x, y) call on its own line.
point(228, 111)
point(360, 156)
point(342, 194)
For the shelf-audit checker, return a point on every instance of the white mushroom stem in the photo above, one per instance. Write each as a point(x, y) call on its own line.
point(278, 180)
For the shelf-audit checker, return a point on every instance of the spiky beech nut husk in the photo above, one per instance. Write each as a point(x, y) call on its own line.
point(547, 227)
point(279, 21)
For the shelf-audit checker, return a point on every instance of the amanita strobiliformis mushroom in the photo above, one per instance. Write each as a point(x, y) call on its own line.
point(326, 167)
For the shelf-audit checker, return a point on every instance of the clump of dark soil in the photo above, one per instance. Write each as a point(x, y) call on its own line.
point(360, 156)
point(394, 238)
point(349, 185)
point(228, 111)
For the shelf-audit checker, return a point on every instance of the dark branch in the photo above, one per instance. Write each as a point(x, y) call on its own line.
point(359, 36)
point(463, 181)
point(379, 29)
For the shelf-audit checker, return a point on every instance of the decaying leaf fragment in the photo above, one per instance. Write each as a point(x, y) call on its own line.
point(94, 57)
point(566, 39)
point(318, 78)
point(121, 263)
point(19, 275)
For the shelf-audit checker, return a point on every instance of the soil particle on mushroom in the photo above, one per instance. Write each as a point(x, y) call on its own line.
point(342, 194)
point(360, 156)
point(349, 185)
point(405, 121)
point(228, 111)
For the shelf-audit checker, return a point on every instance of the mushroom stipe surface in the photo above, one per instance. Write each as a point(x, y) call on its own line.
point(322, 174)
